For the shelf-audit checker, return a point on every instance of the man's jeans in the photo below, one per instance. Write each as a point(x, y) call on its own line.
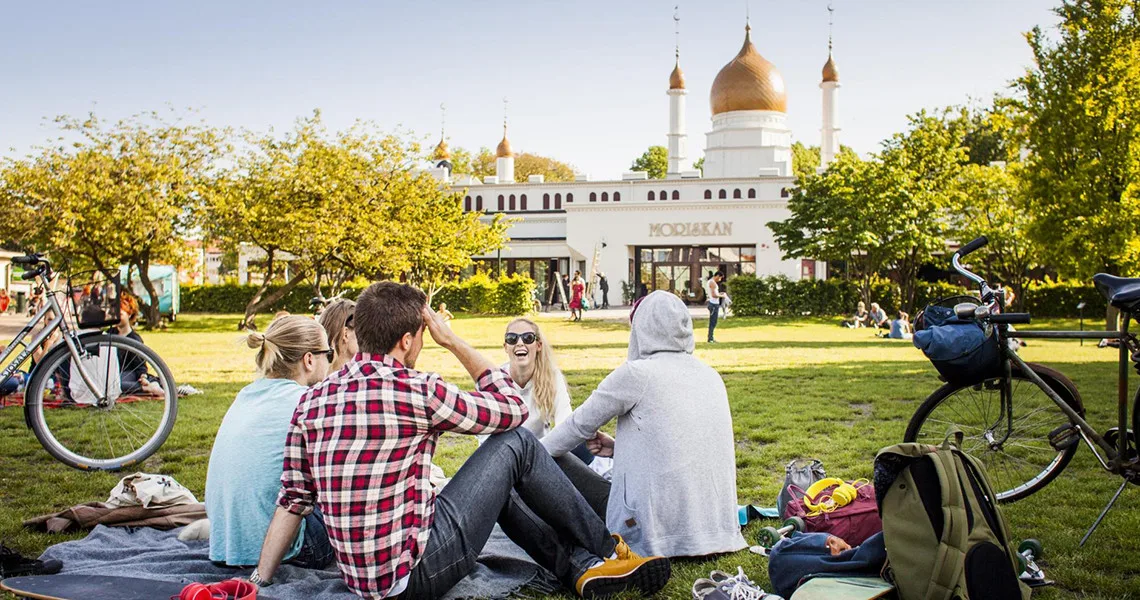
point(510, 480)
point(714, 312)
point(316, 551)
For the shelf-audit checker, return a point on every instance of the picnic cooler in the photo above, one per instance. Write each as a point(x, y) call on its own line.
point(962, 351)
point(94, 299)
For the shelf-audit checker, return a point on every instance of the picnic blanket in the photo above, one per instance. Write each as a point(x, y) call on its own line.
point(503, 567)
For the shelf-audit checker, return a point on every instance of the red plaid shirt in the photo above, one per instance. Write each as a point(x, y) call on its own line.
point(361, 444)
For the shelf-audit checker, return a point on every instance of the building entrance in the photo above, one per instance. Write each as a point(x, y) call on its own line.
point(683, 270)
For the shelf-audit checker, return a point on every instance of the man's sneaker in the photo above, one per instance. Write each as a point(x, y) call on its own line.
point(13, 564)
point(622, 549)
point(737, 587)
point(615, 575)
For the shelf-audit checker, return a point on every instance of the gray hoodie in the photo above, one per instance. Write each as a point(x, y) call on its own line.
point(674, 478)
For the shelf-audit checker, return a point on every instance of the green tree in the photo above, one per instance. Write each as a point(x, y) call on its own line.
point(700, 164)
point(112, 193)
point(805, 159)
point(654, 161)
point(1082, 100)
point(482, 164)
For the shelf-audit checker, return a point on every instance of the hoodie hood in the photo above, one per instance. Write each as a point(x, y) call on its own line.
point(661, 323)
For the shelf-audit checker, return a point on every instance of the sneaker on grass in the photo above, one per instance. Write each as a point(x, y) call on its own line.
point(625, 572)
point(13, 564)
point(722, 586)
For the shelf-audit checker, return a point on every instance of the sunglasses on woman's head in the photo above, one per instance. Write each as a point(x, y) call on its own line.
point(527, 338)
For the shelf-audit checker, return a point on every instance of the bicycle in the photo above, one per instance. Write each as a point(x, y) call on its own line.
point(95, 401)
point(1026, 422)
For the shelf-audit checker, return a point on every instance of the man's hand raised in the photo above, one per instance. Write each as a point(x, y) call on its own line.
point(437, 327)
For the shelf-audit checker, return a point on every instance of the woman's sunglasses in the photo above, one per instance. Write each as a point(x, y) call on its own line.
point(330, 353)
point(527, 338)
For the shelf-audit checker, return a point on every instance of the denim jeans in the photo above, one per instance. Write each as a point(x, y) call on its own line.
point(510, 480)
point(593, 487)
point(316, 551)
point(714, 312)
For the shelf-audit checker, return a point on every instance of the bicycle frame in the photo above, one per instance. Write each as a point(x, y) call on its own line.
point(70, 338)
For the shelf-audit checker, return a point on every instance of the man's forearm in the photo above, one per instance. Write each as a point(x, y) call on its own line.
point(282, 531)
point(471, 359)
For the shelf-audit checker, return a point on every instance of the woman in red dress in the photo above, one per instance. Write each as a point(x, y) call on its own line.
point(578, 289)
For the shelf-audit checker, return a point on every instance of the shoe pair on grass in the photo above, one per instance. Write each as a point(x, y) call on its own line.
point(626, 571)
point(13, 564)
point(722, 586)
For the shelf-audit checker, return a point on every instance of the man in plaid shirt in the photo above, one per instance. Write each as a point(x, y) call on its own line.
point(361, 445)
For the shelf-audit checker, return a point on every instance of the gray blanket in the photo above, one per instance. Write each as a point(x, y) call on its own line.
point(146, 553)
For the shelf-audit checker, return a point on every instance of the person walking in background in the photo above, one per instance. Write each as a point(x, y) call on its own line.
point(604, 285)
point(712, 290)
point(577, 292)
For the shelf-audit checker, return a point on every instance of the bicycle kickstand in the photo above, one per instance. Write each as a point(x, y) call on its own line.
point(1103, 513)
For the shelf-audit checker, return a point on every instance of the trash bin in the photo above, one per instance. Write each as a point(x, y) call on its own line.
point(21, 303)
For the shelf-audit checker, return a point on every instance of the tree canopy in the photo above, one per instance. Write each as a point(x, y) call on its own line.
point(654, 161)
point(482, 164)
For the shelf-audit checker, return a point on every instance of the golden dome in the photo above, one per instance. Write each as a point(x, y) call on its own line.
point(748, 82)
point(830, 73)
point(441, 152)
point(677, 78)
point(504, 149)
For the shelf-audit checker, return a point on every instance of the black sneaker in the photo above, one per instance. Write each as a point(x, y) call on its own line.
point(13, 564)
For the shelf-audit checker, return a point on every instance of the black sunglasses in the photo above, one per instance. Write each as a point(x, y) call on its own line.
point(527, 338)
point(330, 353)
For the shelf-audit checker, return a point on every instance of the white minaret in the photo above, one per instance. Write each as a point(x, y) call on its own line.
point(677, 92)
point(829, 133)
point(504, 158)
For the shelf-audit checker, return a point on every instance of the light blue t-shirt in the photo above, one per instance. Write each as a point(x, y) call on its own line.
point(244, 475)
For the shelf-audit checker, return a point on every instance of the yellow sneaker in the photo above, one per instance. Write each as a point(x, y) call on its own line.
point(615, 575)
point(622, 549)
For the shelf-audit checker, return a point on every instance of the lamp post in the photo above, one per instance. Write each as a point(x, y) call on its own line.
point(1081, 313)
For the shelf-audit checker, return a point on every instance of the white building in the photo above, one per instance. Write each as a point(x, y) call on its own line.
point(667, 233)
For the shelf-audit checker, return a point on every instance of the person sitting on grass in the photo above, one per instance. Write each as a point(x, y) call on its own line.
point(674, 477)
point(878, 317)
point(244, 473)
point(337, 319)
point(900, 328)
point(360, 444)
point(134, 374)
point(860, 318)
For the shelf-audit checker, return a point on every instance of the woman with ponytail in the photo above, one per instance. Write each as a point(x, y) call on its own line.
point(244, 475)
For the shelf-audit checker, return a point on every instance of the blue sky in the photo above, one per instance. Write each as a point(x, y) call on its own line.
point(586, 79)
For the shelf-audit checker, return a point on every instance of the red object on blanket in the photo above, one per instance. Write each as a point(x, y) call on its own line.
point(238, 589)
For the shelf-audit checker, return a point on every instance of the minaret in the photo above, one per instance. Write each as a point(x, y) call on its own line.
point(677, 137)
point(441, 152)
point(504, 158)
point(829, 138)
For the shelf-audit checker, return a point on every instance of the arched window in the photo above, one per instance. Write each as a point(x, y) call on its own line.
point(676, 194)
point(512, 202)
point(651, 195)
point(593, 197)
point(569, 197)
point(546, 202)
point(708, 195)
point(722, 195)
point(478, 203)
point(664, 195)
point(522, 202)
point(605, 196)
point(557, 201)
point(784, 193)
point(736, 193)
point(751, 192)
point(467, 204)
point(502, 203)
point(617, 196)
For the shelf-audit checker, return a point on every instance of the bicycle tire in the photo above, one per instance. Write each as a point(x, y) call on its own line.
point(1058, 382)
point(51, 365)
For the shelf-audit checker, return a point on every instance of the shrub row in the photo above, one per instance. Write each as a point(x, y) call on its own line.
point(781, 296)
point(479, 294)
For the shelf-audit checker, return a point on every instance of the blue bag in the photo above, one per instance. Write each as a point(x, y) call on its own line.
point(960, 349)
point(803, 555)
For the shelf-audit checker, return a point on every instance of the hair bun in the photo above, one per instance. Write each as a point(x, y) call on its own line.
point(255, 340)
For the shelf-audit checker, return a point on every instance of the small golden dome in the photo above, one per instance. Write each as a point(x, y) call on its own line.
point(830, 73)
point(504, 149)
point(677, 78)
point(748, 82)
point(441, 152)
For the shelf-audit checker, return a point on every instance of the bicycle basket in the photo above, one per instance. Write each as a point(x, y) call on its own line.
point(94, 299)
point(960, 350)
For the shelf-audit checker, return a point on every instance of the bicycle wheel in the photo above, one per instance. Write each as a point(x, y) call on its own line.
point(1024, 462)
point(123, 421)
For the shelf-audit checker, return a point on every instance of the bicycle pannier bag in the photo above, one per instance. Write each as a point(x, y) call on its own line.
point(801, 472)
point(962, 351)
point(945, 536)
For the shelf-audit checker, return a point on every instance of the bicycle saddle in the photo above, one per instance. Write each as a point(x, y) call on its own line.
point(1121, 292)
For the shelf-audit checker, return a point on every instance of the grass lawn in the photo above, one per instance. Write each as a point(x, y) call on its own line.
point(797, 388)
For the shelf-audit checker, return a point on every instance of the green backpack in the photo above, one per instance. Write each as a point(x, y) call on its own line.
point(945, 537)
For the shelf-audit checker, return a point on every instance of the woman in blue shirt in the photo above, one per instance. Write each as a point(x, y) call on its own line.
point(244, 475)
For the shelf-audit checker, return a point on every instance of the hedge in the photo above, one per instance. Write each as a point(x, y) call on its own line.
point(1060, 298)
point(479, 294)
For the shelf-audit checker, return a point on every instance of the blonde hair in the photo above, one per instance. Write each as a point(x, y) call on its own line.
point(333, 319)
point(545, 376)
point(284, 343)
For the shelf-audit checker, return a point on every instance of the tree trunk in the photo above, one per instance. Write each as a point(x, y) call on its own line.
point(151, 311)
point(247, 321)
point(260, 303)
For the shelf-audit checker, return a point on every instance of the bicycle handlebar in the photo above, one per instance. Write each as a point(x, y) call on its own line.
point(973, 245)
point(29, 275)
point(1010, 318)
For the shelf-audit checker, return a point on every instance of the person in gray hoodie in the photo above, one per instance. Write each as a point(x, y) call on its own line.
point(674, 479)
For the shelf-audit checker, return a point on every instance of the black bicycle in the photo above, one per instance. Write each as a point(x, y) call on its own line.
point(1026, 422)
point(95, 401)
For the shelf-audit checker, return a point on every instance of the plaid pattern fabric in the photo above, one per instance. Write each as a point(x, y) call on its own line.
point(361, 444)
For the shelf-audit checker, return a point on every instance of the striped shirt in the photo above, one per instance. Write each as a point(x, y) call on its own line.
point(361, 444)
